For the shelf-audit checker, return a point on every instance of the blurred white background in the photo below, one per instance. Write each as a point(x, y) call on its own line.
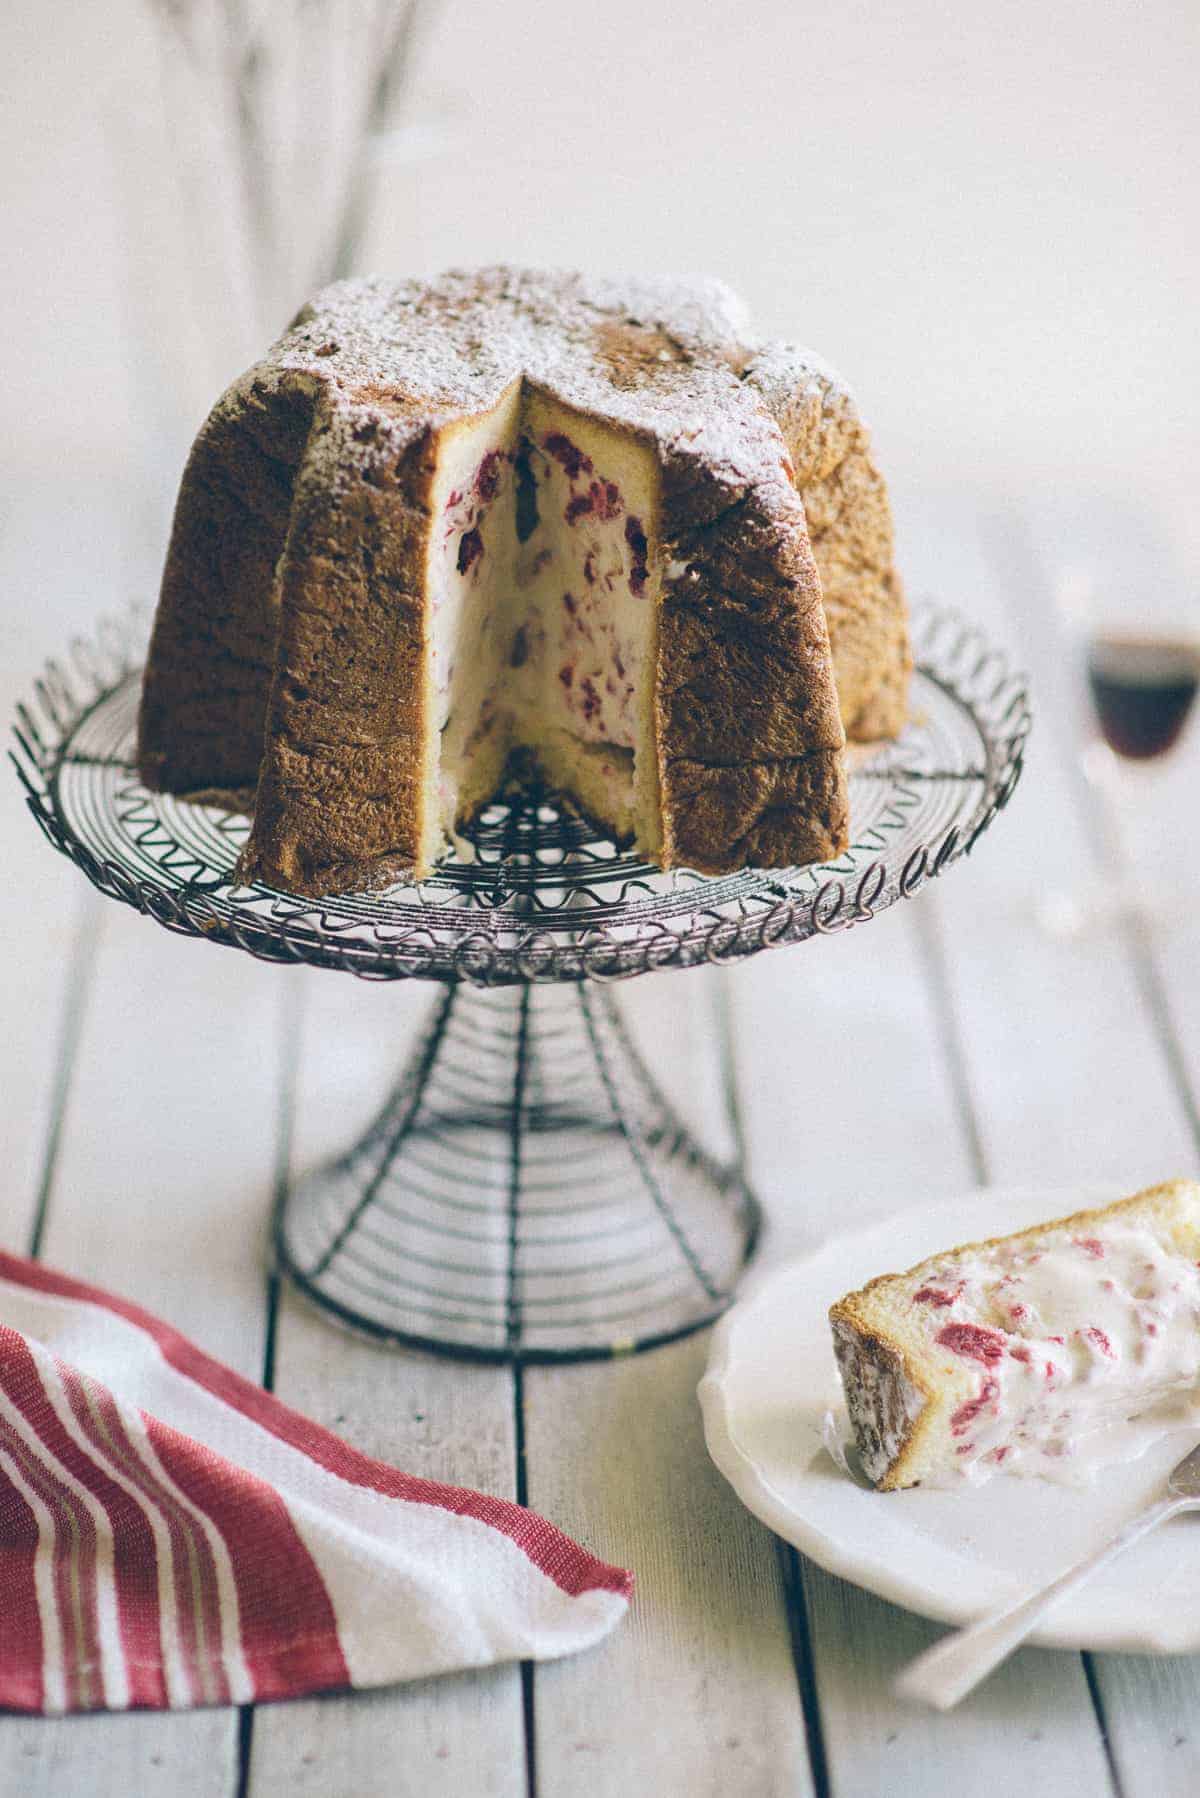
point(983, 214)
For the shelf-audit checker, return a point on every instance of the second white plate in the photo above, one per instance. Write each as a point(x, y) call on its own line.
point(945, 1554)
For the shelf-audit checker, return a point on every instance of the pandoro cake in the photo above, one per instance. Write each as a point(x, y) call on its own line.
point(596, 524)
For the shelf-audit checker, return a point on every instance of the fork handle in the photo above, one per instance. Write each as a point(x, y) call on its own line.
point(955, 1665)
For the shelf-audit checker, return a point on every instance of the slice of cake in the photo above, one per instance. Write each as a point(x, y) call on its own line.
point(1018, 1353)
point(514, 513)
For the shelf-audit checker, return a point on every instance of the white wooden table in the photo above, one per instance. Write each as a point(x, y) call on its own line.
point(154, 1092)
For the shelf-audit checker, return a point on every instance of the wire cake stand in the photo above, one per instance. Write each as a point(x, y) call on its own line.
point(526, 1192)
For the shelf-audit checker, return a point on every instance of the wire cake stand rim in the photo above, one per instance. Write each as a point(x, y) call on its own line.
point(545, 898)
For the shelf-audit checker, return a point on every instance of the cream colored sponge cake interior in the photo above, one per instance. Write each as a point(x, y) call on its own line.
point(592, 524)
point(542, 626)
point(1031, 1352)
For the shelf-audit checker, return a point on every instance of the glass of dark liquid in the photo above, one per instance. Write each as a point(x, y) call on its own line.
point(1141, 673)
point(1142, 689)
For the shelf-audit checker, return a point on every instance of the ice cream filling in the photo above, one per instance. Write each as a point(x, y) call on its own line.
point(1084, 1349)
point(544, 617)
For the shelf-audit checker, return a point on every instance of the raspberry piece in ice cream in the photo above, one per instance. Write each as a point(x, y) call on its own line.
point(973, 1341)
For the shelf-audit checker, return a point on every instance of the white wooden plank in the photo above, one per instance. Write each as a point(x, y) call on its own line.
point(114, 1756)
point(1060, 1042)
point(1062, 1058)
point(46, 911)
point(161, 1190)
point(1029, 1728)
point(850, 1114)
point(1149, 1706)
point(677, 1024)
point(696, 1692)
point(848, 1106)
point(439, 1418)
point(1119, 543)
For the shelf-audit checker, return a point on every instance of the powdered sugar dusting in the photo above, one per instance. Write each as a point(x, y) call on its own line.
point(672, 359)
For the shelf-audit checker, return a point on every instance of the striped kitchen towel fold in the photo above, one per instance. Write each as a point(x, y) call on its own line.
point(172, 1535)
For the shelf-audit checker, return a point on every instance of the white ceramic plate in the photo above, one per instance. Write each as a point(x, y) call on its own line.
point(945, 1554)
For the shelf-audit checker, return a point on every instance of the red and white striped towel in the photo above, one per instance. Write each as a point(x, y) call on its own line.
point(171, 1535)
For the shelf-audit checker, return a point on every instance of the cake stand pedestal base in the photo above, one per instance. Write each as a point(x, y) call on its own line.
point(526, 1193)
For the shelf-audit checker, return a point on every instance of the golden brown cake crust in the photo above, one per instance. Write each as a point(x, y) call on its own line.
point(293, 605)
point(212, 656)
point(850, 528)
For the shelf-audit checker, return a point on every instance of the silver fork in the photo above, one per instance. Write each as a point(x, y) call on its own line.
point(955, 1665)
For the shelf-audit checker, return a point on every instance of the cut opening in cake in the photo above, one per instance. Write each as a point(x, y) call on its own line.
point(544, 632)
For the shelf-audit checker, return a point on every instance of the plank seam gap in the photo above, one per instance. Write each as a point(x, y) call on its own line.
point(796, 1611)
point(927, 926)
point(1097, 1698)
point(528, 1719)
point(516, 1130)
point(1154, 992)
point(291, 1013)
point(245, 1737)
point(727, 1057)
point(80, 966)
point(291, 1024)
